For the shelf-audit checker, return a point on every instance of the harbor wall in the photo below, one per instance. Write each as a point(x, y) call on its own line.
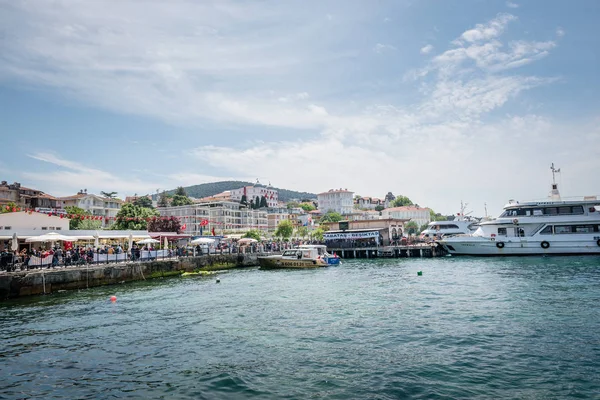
point(46, 281)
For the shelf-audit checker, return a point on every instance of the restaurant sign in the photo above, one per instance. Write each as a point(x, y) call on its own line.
point(350, 235)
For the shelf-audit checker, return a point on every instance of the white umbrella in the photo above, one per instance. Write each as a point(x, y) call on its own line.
point(247, 241)
point(202, 241)
point(51, 237)
point(166, 243)
point(148, 241)
point(96, 240)
point(15, 242)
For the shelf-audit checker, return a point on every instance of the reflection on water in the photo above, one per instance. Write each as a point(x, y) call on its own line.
point(469, 327)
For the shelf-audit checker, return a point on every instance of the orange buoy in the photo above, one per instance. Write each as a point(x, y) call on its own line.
point(113, 298)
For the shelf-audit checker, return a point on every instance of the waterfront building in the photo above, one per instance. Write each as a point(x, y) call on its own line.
point(297, 216)
point(223, 196)
point(336, 200)
point(220, 217)
point(351, 233)
point(370, 203)
point(25, 197)
point(417, 214)
point(254, 191)
point(104, 207)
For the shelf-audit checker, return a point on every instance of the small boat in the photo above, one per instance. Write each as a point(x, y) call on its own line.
point(304, 256)
point(461, 224)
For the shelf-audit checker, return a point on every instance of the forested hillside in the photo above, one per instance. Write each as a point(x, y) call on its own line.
point(210, 189)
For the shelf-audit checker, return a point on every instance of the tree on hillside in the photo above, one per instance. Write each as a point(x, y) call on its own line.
point(110, 195)
point(401, 201)
point(77, 222)
point(308, 207)
point(331, 216)
point(389, 197)
point(411, 227)
point(163, 200)
point(317, 234)
point(244, 200)
point(143, 201)
point(436, 216)
point(252, 234)
point(179, 200)
point(180, 191)
point(170, 224)
point(379, 208)
point(132, 217)
point(257, 203)
point(292, 204)
point(285, 229)
point(263, 202)
point(302, 231)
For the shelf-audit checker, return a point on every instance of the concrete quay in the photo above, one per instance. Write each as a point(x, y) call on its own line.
point(46, 281)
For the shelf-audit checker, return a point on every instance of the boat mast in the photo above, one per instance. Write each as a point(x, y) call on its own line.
point(554, 193)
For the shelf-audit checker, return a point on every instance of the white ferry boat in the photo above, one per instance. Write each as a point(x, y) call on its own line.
point(462, 224)
point(304, 256)
point(554, 226)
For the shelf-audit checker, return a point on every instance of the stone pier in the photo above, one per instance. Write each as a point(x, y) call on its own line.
point(46, 281)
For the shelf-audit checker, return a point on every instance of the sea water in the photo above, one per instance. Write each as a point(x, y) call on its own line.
point(465, 328)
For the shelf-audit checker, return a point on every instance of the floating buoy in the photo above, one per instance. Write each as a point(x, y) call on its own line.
point(419, 273)
point(113, 298)
point(218, 280)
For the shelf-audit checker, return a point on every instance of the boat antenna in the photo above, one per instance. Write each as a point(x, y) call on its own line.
point(554, 193)
point(485, 208)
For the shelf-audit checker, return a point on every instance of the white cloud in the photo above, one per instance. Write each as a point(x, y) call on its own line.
point(492, 29)
point(382, 48)
point(426, 49)
point(560, 32)
point(510, 4)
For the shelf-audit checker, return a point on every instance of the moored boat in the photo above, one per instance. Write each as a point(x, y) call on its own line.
point(304, 256)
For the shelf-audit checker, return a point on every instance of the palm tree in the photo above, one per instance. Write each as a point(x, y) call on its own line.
point(110, 195)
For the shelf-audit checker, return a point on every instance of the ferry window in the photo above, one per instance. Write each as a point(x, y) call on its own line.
point(504, 214)
point(8, 228)
point(522, 212)
point(529, 212)
point(547, 230)
point(560, 229)
point(584, 228)
point(551, 211)
point(44, 228)
point(564, 210)
point(538, 211)
point(501, 231)
point(577, 209)
point(452, 226)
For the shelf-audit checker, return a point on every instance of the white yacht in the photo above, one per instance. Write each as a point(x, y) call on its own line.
point(461, 224)
point(554, 226)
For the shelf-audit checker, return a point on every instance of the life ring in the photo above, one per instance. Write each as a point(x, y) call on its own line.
point(598, 242)
point(515, 221)
point(500, 245)
point(545, 244)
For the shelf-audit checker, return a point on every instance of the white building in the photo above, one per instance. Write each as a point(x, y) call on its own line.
point(252, 192)
point(222, 216)
point(104, 207)
point(419, 215)
point(34, 221)
point(337, 200)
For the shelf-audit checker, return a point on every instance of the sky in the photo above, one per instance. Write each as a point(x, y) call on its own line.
point(440, 101)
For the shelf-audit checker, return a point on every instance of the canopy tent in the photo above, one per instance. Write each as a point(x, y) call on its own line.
point(247, 241)
point(202, 240)
point(148, 241)
point(51, 237)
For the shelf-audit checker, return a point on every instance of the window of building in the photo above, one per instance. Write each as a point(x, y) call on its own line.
point(8, 228)
point(44, 228)
point(58, 228)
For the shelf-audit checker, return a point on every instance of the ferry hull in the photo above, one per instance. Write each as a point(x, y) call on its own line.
point(278, 263)
point(516, 247)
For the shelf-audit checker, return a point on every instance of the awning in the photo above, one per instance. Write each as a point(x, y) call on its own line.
point(342, 235)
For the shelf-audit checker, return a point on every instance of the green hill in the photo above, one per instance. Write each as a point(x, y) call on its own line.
point(210, 189)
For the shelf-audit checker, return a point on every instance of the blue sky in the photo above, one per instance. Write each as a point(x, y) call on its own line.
point(441, 101)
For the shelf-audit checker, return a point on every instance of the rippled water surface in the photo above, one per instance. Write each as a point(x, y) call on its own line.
point(466, 328)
